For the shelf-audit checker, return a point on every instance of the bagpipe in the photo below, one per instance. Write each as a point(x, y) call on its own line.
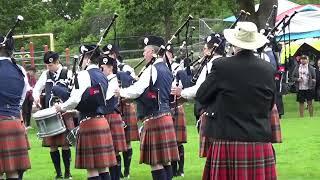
point(95, 95)
point(7, 42)
point(282, 70)
point(150, 98)
point(202, 62)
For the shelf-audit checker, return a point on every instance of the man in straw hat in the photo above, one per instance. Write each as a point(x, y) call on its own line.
point(239, 95)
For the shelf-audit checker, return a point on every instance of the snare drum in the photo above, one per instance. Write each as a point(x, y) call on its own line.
point(49, 122)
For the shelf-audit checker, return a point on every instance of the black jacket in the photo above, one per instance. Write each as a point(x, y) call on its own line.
point(239, 95)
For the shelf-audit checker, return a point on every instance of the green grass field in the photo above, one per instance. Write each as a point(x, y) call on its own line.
point(297, 157)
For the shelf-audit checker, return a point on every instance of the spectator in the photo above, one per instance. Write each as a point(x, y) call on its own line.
point(317, 89)
point(27, 104)
point(304, 76)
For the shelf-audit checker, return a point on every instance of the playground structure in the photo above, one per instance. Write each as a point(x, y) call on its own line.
point(34, 58)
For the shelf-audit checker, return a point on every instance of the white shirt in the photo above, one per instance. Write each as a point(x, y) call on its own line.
point(190, 93)
point(176, 67)
point(76, 94)
point(138, 87)
point(41, 83)
point(113, 85)
point(127, 68)
point(27, 86)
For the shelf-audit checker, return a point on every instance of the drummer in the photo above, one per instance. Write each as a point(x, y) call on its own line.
point(14, 144)
point(94, 150)
point(55, 79)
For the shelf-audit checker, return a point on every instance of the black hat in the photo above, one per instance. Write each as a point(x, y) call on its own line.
point(86, 48)
point(110, 48)
point(153, 40)
point(50, 57)
point(9, 44)
point(106, 60)
point(216, 39)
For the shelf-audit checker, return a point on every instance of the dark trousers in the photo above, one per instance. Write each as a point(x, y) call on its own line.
point(26, 111)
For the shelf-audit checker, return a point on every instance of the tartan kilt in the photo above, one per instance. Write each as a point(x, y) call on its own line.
point(60, 139)
point(94, 145)
point(13, 146)
point(275, 125)
point(179, 121)
point(129, 116)
point(117, 132)
point(240, 160)
point(204, 141)
point(158, 144)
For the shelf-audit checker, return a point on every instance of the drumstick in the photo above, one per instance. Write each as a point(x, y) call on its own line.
point(38, 105)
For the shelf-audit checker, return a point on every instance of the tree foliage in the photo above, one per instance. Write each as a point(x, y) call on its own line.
point(76, 21)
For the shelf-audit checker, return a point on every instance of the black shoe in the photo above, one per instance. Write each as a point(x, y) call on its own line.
point(121, 175)
point(58, 177)
point(180, 174)
point(67, 175)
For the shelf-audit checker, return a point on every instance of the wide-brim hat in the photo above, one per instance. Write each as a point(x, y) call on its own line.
point(245, 35)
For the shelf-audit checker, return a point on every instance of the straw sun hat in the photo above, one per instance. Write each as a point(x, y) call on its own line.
point(245, 35)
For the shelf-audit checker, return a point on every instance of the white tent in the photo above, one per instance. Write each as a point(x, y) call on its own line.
point(304, 24)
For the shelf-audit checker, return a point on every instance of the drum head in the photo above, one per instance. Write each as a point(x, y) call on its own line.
point(45, 113)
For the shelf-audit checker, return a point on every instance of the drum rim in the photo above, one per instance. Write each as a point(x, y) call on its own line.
point(44, 117)
point(53, 113)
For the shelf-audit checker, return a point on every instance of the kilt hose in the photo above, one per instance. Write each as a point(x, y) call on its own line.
point(179, 121)
point(158, 144)
point(13, 146)
point(94, 145)
point(240, 160)
point(60, 139)
point(204, 141)
point(129, 116)
point(117, 132)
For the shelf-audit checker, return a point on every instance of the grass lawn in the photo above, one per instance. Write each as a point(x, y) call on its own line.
point(297, 157)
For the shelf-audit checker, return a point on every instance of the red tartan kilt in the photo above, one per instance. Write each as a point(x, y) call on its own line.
point(13, 146)
point(129, 116)
point(117, 132)
point(240, 160)
point(94, 145)
point(158, 144)
point(179, 122)
point(204, 141)
point(60, 139)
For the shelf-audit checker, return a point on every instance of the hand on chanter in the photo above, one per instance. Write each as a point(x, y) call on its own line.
point(117, 92)
point(176, 91)
point(58, 107)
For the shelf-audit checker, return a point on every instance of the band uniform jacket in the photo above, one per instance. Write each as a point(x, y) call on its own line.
point(239, 95)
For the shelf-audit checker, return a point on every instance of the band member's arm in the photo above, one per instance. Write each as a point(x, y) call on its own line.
point(76, 94)
point(39, 86)
point(190, 93)
point(138, 87)
point(112, 87)
point(27, 86)
point(207, 90)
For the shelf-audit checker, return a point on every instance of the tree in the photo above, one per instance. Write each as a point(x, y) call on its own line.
point(67, 9)
point(259, 17)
